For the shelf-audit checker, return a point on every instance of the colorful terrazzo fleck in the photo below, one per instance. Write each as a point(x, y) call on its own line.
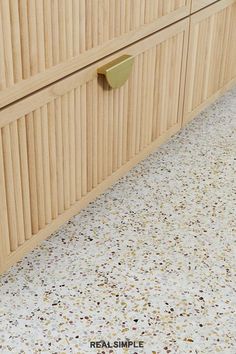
point(152, 259)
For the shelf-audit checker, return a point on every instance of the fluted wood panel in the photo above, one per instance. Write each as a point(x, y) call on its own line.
point(44, 40)
point(212, 54)
point(60, 145)
point(200, 4)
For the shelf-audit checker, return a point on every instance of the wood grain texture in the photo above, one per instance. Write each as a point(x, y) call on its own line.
point(4, 226)
point(212, 55)
point(61, 145)
point(43, 40)
point(200, 4)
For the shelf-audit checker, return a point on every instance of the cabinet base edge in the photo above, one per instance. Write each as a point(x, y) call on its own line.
point(188, 116)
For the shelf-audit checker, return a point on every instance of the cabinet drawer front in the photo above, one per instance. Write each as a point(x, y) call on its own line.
point(62, 146)
point(212, 55)
point(200, 4)
point(42, 41)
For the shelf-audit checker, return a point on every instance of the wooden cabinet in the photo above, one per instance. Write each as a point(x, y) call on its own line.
point(62, 146)
point(42, 41)
point(200, 4)
point(211, 67)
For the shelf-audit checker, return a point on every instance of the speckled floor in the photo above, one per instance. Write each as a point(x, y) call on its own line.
point(153, 259)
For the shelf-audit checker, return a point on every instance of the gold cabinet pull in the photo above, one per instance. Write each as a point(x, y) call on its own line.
point(117, 71)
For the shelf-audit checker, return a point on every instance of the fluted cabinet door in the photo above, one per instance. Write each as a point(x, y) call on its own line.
point(42, 41)
point(62, 146)
point(211, 67)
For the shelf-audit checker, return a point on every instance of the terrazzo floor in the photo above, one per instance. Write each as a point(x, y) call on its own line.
point(152, 259)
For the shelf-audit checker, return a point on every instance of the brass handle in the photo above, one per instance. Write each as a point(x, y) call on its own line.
point(117, 71)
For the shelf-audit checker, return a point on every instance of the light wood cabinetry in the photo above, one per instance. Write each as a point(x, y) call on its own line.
point(42, 41)
point(62, 146)
point(211, 64)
